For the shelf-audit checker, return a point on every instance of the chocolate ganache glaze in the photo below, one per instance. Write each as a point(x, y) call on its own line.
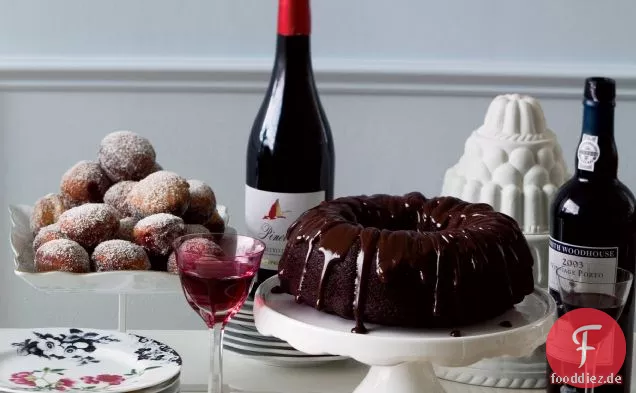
point(406, 261)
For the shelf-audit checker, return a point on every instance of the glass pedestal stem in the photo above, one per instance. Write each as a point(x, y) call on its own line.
point(215, 381)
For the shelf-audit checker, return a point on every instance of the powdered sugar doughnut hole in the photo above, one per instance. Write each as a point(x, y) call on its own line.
point(62, 255)
point(84, 182)
point(47, 211)
point(117, 194)
point(89, 224)
point(125, 155)
point(157, 232)
point(119, 255)
point(159, 192)
point(202, 203)
point(46, 234)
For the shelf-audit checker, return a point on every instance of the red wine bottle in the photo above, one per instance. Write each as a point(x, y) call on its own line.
point(290, 153)
point(592, 220)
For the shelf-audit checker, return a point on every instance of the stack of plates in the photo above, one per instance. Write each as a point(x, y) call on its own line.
point(86, 360)
point(241, 337)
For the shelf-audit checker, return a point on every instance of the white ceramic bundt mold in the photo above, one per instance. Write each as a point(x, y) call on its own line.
point(512, 162)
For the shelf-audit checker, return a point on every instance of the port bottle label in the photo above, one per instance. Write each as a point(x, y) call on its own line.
point(591, 265)
point(268, 215)
point(588, 152)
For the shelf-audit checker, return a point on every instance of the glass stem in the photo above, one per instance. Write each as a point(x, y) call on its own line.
point(215, 381)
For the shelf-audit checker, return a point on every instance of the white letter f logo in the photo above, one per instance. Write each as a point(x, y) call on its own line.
point(584, 348)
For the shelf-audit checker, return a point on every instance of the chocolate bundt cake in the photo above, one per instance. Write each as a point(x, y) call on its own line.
point(406, 261)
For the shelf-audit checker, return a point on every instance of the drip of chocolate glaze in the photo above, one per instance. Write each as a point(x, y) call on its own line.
point(310, 248)
point(397, 247)
point(506, 324)
point(506, 269)
point(334, 244)
point(277, 289)
point(455, 333)
point(368, 240)
point(359, 328)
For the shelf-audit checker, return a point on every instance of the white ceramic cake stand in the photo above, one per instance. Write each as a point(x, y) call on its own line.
point(401, 359)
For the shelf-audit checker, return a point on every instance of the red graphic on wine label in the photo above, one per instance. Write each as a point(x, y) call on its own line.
point(585, 348)
point(275, 212)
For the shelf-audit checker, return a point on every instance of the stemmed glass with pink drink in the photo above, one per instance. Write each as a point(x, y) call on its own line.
point(217, 272)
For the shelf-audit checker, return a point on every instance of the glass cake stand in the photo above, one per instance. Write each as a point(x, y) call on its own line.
point(401, 360)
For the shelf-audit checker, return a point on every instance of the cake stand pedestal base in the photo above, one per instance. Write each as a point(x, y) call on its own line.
point(409, 377)
point(401, 359)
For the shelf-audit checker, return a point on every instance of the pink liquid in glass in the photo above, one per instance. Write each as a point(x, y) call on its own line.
point(217, 291)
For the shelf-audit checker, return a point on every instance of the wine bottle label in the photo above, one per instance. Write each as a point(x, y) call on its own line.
point(584, 265)
point(588, 152)
point(268, 215)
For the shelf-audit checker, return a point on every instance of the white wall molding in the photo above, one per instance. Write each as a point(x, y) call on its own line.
point(334, 76)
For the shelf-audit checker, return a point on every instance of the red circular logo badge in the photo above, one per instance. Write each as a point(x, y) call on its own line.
point(585, 348)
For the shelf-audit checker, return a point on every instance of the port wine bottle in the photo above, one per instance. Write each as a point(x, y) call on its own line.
point(592, 218)
point(290, 153)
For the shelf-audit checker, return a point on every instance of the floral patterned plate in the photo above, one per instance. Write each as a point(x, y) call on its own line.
point(83, 360)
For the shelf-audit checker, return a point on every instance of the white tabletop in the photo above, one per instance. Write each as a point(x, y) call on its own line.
point(253, 376)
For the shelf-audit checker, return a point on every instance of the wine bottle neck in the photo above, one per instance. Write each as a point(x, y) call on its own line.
point(294, 30)
point(293, 72)
point(597, 156)
point(293, 53)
